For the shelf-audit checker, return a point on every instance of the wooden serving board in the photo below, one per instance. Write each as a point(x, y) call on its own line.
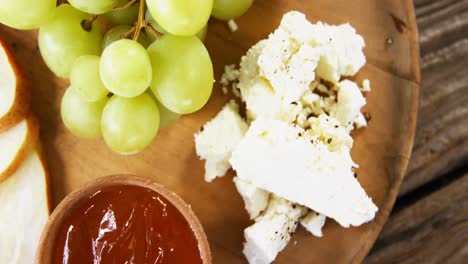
point(382, 150)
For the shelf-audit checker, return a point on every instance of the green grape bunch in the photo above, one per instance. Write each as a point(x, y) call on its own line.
point(134, 66)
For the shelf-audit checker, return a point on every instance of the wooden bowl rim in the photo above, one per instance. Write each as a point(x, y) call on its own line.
point(415, 78)
point(71, 201)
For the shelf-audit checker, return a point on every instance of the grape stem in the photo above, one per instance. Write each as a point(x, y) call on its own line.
point(129, 33)
point(131, 2)
point(87, 24)
point(151, 29)
point(141, 20)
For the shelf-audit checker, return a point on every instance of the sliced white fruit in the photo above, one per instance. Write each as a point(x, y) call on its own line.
point(24, 211)
point(16, 143)
point(14, 94)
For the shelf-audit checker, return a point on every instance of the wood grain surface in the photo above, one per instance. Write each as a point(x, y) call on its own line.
point(382, 149)
point(429, 223)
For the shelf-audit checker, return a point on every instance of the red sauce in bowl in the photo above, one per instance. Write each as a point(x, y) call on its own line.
point(126, 224)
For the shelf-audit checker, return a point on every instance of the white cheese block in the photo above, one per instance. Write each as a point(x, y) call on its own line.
point(275, 157)
point(314, 222)
point(272, 231)
point(218, 138)
point(350, 102)
point(255, 199)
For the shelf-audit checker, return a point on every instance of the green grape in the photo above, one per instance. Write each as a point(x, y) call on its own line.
point(63, 40)
point(26, 14)
point(230, 9)
point(117, 33)
point(183, 73)
point(167, 117)
point(94, 6)
point(81, 117)
point(201, 34)
point(153, 22)
point(85, 79)
point(181, 17)
point(130, 124)
point(126, 68)
point(126, 16)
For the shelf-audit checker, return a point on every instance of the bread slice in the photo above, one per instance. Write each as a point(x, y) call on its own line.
point(16, 144)
point(24, 211)
point(14, 92)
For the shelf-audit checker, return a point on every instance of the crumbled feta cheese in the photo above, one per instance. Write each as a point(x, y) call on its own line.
point(342, 51)
point(350, 102)
point(224, 90)
point(261, 101)
point(218, 139)
point(328, 130)
point(232, 25)
point(298, 145)
point(272, 231)
point(255, 199)
point(230, 77)
point(289, 71)
point(274, 156)
point(231, 74)
point(314, 222)
point(360, 121)
point(366, 86)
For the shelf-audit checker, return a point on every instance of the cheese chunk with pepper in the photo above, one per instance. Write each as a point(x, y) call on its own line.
point(276, 157)
point(341, 47)
point(255, 199)
point(350, 102)
point(218, 139)
point(272, 231)
point(275, 74)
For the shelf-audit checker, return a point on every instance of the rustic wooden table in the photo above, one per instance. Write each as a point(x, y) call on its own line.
point(429, 223)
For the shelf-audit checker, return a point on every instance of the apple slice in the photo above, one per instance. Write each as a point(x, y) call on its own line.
point(16, 143)
point(24, 211)
point(14, 92)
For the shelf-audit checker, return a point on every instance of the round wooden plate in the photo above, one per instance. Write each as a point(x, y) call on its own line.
point(382, 150)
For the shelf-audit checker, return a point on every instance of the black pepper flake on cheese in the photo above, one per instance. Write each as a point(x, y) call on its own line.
point(201, 129)
point(311, 115)
point(336, 126)
point(355, 175)
point(329, 140)
point(294, 103)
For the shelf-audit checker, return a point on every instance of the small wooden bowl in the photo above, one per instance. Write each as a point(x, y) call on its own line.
point(48, 237)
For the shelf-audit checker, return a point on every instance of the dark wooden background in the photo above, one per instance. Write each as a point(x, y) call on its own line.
point(429, 223)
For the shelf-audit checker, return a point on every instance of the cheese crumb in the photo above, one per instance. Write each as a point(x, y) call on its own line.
point(232, 25)
point(218, 139)
point(314, 222)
